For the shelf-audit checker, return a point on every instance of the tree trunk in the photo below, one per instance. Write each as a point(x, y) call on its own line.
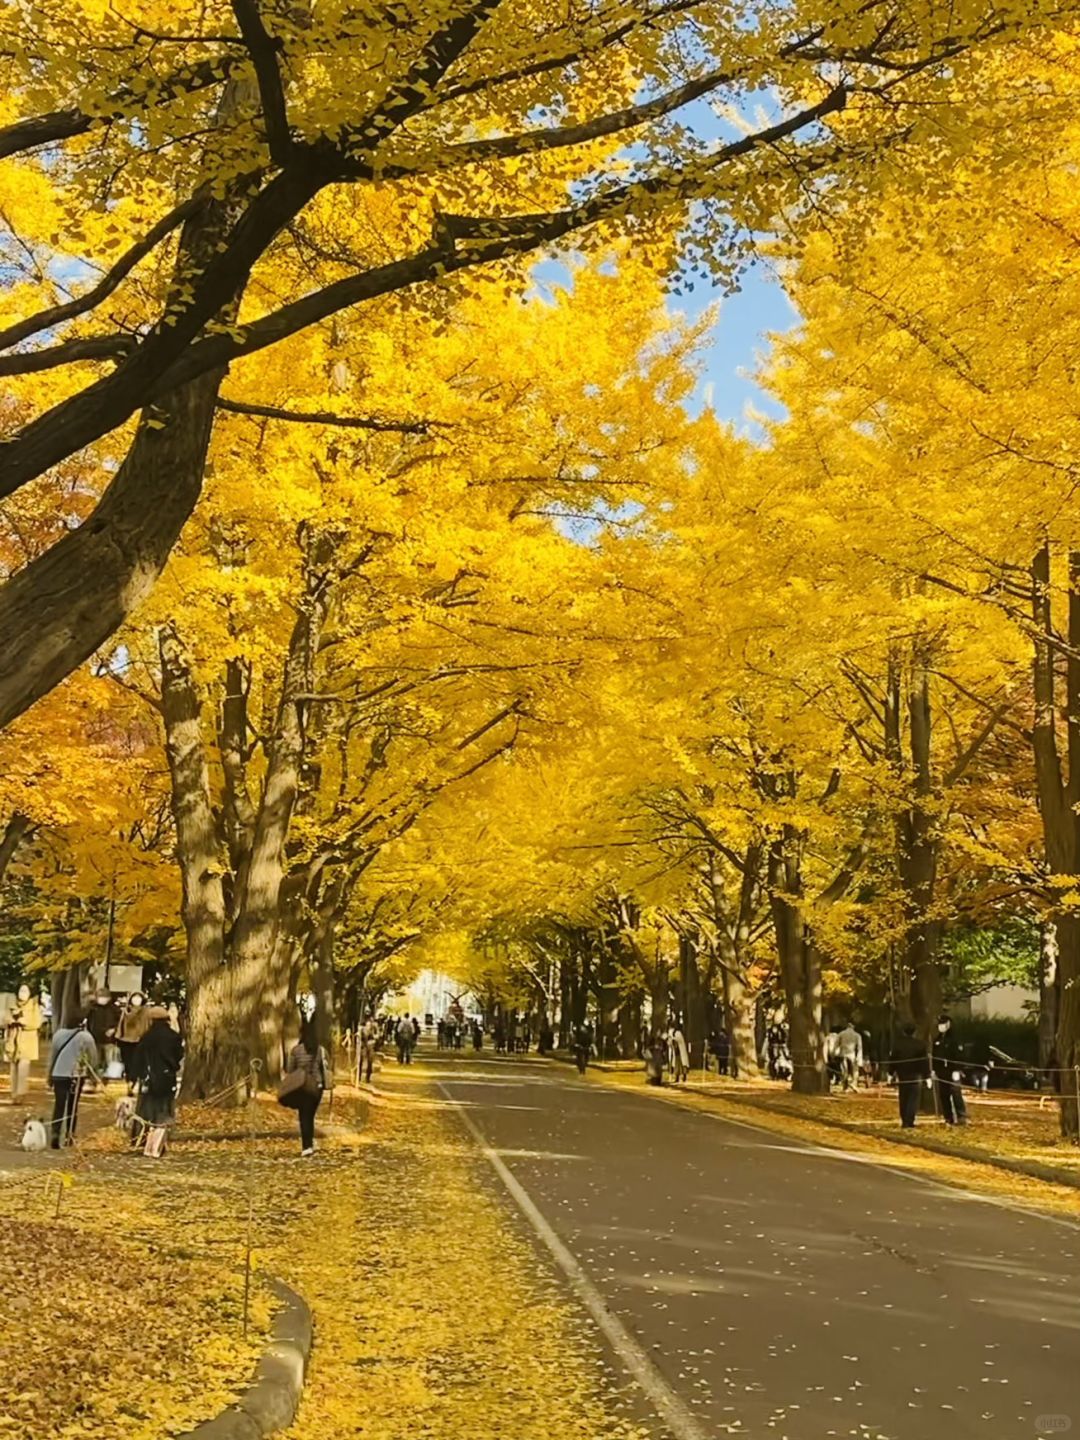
point(800, 968)
point(263, 981)
point(1048, 996)
point(1059, 799)
point(15, 832)
point(740, 1020)
point(215, 1056)
point(322, 985)
point(694, 999)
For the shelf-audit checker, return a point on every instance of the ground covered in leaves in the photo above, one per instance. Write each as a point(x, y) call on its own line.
point(117, 1321)
point(435, 1317)
point(121, 1285)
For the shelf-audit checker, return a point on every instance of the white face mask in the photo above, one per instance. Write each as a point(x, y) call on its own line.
point(136, 1001)
point(24, 993)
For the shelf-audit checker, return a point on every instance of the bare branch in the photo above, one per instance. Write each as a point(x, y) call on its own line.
point(327, 417)
point(57, 314)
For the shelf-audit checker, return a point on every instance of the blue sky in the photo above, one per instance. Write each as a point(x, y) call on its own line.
point(739, 338)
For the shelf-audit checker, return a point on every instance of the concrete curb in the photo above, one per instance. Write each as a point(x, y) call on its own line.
point(271, 1400)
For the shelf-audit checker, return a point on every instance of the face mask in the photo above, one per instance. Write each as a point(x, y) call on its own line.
point(136, 1001)
point(24, 993)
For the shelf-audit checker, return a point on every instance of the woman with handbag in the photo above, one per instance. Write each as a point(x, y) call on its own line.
point(306, 1077)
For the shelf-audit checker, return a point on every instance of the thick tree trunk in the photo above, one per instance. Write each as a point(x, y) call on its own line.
point(800, 968)
point(262, 979)
point(215, 1056)
point(740, 1019)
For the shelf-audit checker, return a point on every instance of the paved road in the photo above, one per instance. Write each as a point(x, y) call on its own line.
point(782, 1290)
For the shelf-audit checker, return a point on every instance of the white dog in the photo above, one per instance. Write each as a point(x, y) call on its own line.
point(125, 1113)
point(34, 1136)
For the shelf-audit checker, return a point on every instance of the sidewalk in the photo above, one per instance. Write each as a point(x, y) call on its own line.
point(433, 1313)
point(1010, 1147)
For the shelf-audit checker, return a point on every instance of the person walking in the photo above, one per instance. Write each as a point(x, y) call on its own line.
point(309, 1057)
point(849, 1048)
point(947, 1074)
point(912, 1067)
point(369, 1039)
point(583, 1043)
point(73, 1053)
point(406, 1039)
point(156, 1067)
point(678, 1054)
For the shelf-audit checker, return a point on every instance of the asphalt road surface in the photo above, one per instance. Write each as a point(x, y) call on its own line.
point(777, 1289)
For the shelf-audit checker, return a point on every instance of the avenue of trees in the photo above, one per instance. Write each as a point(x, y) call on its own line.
point(375, 596)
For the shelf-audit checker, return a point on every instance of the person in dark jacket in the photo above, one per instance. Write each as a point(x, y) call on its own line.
point(156, 1067)
point(948, 1061)
point(308, 1055)
point(909, 1061)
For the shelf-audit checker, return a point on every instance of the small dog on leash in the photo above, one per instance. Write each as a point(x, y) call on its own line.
point(34, 1137)
point(125, 1113)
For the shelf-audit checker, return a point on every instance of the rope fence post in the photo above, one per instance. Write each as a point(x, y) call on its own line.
point(1076, 1082)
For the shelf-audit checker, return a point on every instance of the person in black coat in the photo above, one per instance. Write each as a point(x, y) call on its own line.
point(912, 1066)
point(156, 1065)
point(948, 1071)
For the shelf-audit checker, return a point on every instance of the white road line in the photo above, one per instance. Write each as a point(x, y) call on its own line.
point(678, 1418)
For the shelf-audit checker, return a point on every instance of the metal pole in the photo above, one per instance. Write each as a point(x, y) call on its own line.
point(1076, 1078)
point(111, 930)
point(254, 1066)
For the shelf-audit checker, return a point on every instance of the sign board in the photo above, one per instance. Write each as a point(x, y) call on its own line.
point(122, 979)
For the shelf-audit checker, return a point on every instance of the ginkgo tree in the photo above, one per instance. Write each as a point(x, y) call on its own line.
point(334, 653)
point(193, 184)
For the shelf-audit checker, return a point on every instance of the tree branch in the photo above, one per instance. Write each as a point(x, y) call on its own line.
point(61, 125)
point(327, 417)
point(57, 314)
point(264, 49)
point(93, 347)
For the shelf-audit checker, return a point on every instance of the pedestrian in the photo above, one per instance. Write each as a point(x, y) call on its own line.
point(720, 1046)
point(73, 1054)
point(369, 1039)
point(947, 1060)
point(912, 1067)
point(583, 1043)
point(309, 1058)
point(520, 1041)
point(156, 1066)
point(547, 1036)
point(779, 1060)
point(406, 1039)
point(21, 1040)
point(131, 1027)
point(849, 1047)
point(477, 1036)
point(678, 1054)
